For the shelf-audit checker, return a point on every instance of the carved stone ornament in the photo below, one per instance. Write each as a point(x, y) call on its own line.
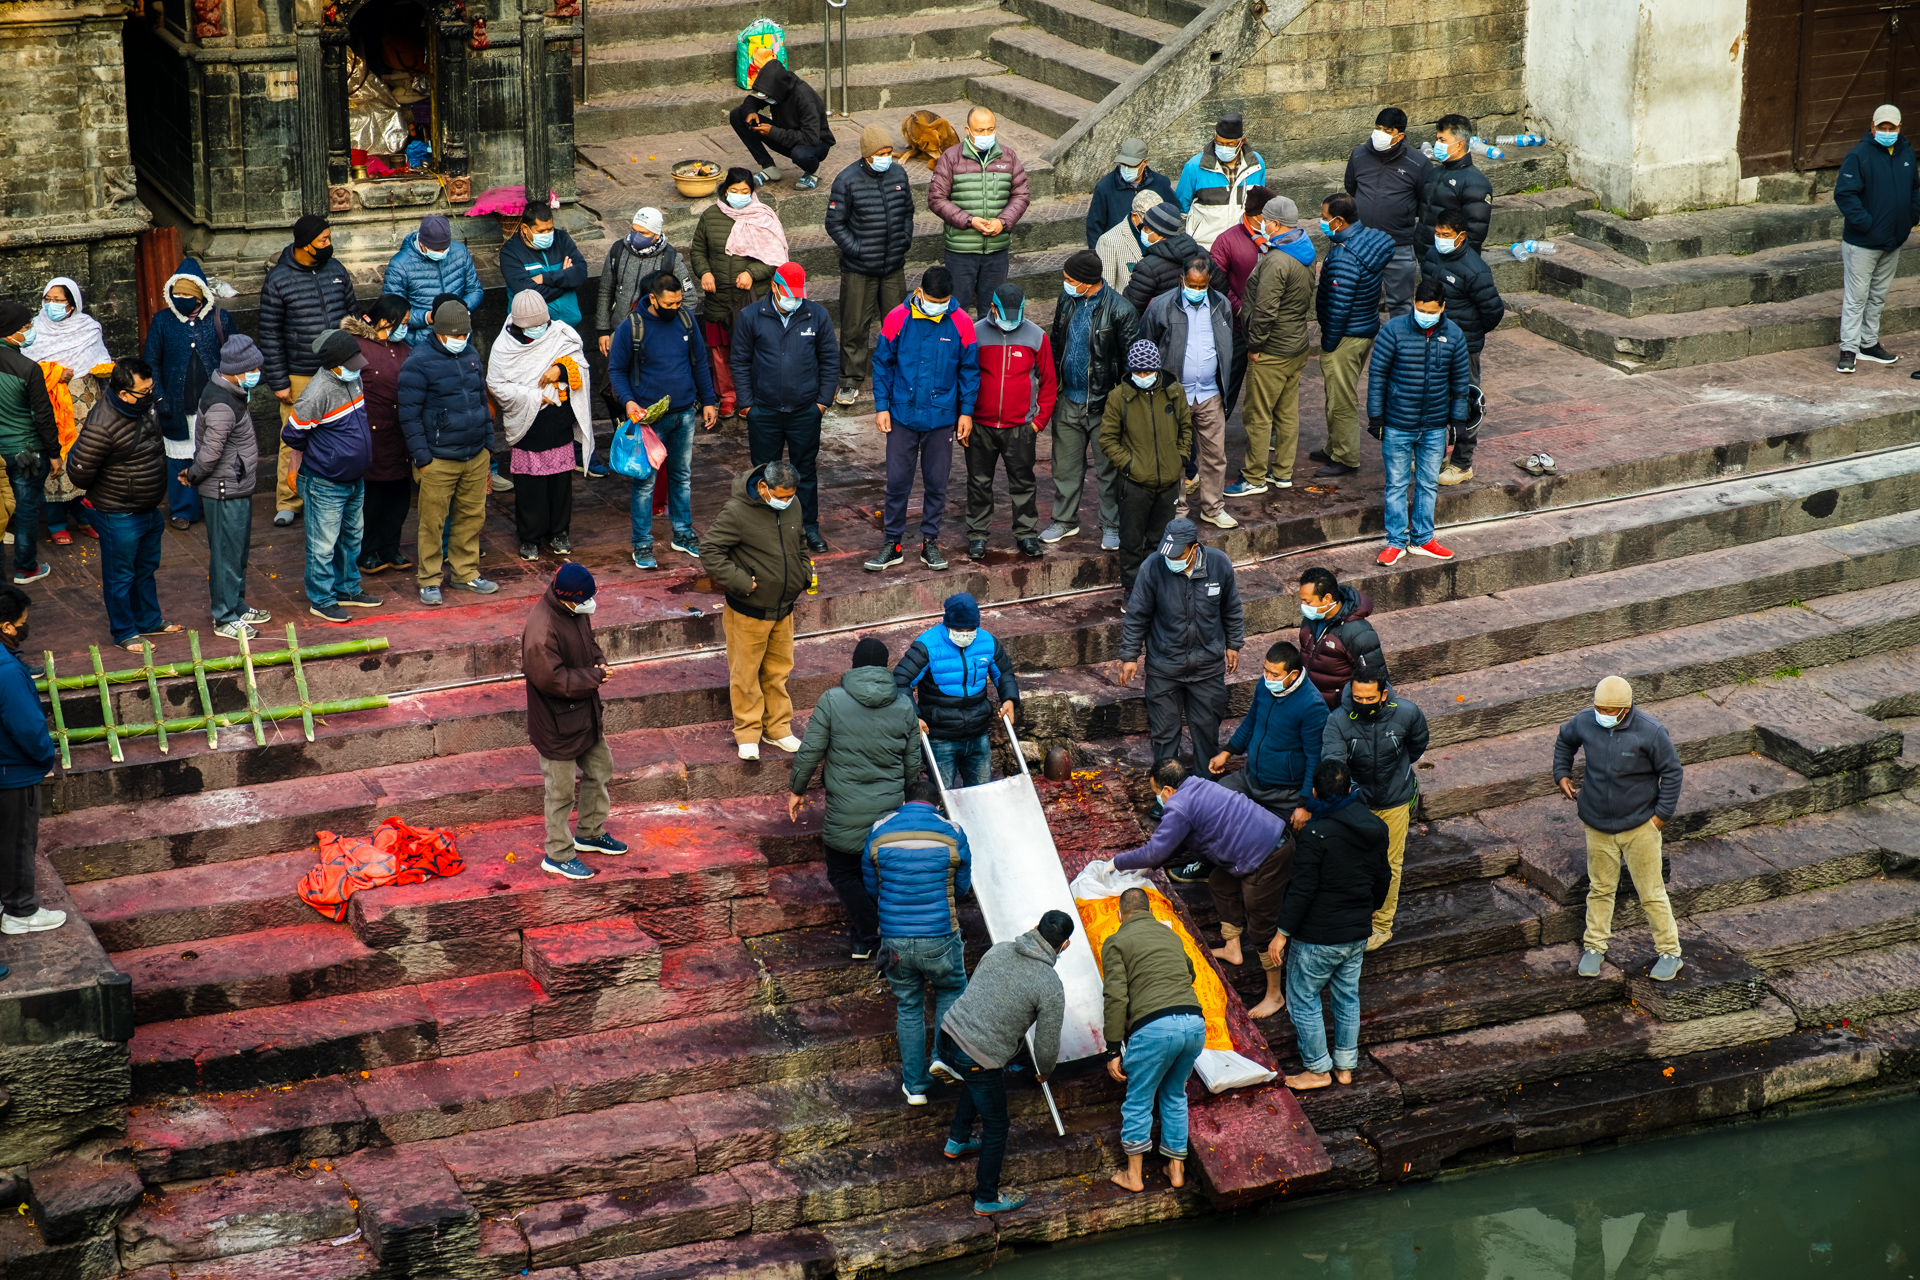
point(339, 199)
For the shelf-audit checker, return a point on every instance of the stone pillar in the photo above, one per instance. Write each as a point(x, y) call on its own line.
point(535, 124)
point(312, 107)
point(333, 75)
point(450, 106)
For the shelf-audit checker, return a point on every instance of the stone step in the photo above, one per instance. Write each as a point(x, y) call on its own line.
point(1844, 989)
point(1084, 74)
point(239, 1214)
point(1034, 103)
point(1100, 28)
point(615, 22)
point(1588, 273)
point(1821, 924)
point(1747, 228)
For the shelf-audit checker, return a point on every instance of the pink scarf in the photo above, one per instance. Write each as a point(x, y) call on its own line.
point(756, 233)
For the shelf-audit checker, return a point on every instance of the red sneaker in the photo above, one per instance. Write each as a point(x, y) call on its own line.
point(1391, 555)
point(1433, 550)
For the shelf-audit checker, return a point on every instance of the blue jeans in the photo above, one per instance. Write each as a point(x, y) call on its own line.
point(229, 530)
point(1412, 457)
point(676, 432)
point(1159, 1058)
point(1312, 968)
point(29, 491)
point(968, 759)
point(129, 557)
point(916, 964)
point(985, 1098)
point(335, 523)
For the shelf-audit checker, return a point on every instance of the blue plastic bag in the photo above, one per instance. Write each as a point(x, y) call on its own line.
point(628, 454)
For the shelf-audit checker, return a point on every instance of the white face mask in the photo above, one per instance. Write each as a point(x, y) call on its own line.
point(585, 606)
point(1326, 610)
point(779, 504)
point(454, 346)
point(961, 639)
point(1380, 139)
point(1606, 722)
point(1445, 244)
point(1145, 380)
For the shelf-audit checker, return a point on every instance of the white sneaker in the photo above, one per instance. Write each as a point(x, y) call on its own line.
point(38, 922)
point(914, 1099)
point(749, 751)
point(1221, 521)
point(788, 744)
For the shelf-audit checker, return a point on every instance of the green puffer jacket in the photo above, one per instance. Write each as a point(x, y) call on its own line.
point(756, 555)
point(967, 186)
point(869, 736)
point(1147, 433)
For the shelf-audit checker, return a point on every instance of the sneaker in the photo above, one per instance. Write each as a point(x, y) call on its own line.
point(1221, 520)
point(886, 557)
point(1029, 547)
point(283, 518)
point(370, 567)
point(529, 551)
point(572, 868)
point(1879, 355)
point(1008, 1201)
point(914, 1099)
point(815, 543)
point(643, 558)
point(941, 1071)
point(1190, 873)
point(1056, 531)
point(846, 396)
point(1244, 489)
point(21, 580)
point(1379, 938)
point(932, 556)
point(1432, 549)
point(256, 616)
point(479, 587)
point(1335, 469)
point(1109, 539)
point(234, 630)
point(686, 542)
point(1845, 363)
point(788, 744)
point(39, 922)
point(429, 595)
point(360, 600)
point(1390, 555)
point(772, 173)
point(957, 1150)
point(328, 612)
point(861, 951)
point(1667, 968)
point(401, 563)
point(976, 549)
point(749, 751)
point(807, 182)
point(602, 843)
point(595, 467)
point(1450, 474)
point(560, 546)
point(1274, 482)
point(1590, 962)
point(500, 484)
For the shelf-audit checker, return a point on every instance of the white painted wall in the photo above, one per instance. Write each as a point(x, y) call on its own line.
point(1644, 95)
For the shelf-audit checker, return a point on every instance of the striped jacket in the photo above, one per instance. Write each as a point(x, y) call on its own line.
point(329, 427)
point(917, 866)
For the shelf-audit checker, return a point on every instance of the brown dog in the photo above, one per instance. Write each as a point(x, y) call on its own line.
point(927, 136)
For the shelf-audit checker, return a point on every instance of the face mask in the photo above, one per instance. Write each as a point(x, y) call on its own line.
point(1369, 710)
point(543, 239)
point(32, 335)
point(786, 304)
point(19, 636)
point(320, 253)
point(250, 380)
point(1147, 238)
point(434, 255)
point(399, 333)
point(1445, 244)
point(1067, 287)
point(1195, 296)
point(138, 407)
point(185, 302)
point(983, 142)
point(347, 375)
point(1225, 155)
point(640, 240)
point(880, 164)
point(1130, 174)
point(1178, 566)
point(56, 311)
point(1380, 139)
point(961, 639)
point(1319, 611)
point(1885, 139)
point(1275, 687)
point(738, 201)
point(454, 346)
point(1145, 381)
point(1442, 149)
point(1606, 722)
point(1426, 319)
point(779, 504)
point(933, 309)
point(1005, 325)
point(538, 331)
point(585, 606)
point(1326, 228)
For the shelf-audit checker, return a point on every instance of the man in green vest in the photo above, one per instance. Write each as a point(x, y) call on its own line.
point(979, 190)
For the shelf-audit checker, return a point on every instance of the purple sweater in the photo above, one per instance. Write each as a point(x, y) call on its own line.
point(1224, 827)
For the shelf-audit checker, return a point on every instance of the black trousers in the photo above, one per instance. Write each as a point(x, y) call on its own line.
point(19, 840)
point(384, 513)
point(1144, 514)
point(1468, 434)
point(1236, 376)
point(808, 158)
point(863, 917)
point(1200, 703)
point(797, 433)
point(975, 277)
point(986, 447)
point(543, 506)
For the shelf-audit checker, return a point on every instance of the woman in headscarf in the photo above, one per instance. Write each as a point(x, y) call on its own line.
point(381, 330)
point(736, 245)
point(183, 347)
point(536, 373)
point(71, 339)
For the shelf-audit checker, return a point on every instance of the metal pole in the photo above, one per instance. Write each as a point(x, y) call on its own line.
point(583, 52)
point(1014, 738)
point(826, 41)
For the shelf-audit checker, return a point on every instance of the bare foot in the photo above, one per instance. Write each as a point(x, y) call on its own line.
point(1130, 1180)
point(1309, 1080)
point(1177, 1172)
point(1230, 953)
point(1344, 1077)
point(1267, 1008)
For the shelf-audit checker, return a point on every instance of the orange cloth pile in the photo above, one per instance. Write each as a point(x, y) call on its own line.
point(397, 854)
point(1101, 916)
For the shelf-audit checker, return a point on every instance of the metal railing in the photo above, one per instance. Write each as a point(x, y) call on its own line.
point(826, 86)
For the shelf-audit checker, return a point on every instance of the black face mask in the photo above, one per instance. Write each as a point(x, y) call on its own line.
point(186, 303)
point(320, 253)
point(1370, 710)
point(138, 409)
point(19, 636)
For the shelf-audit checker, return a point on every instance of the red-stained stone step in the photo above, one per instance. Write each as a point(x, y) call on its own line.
point(178, 907)
point(589, 955)
point(242, 1214)
point(319, 1261)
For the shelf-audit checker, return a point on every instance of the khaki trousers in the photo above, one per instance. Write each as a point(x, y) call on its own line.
point(759, 659)
point(1210, 456)
point(1640, 850)
point(1340, 371)
point(459, 487)
point(597, 768)
point(1272, 416)
point(1396, 820)
point(284, 496)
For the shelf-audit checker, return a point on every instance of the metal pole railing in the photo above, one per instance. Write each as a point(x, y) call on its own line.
point(826, 45)
point(583, 53)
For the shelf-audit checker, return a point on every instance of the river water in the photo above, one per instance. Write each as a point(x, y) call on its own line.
point(1834, 1194)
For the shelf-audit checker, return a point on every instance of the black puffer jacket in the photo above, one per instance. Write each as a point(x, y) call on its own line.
point(1340, 877)
point(1457, 187)
point(297, 304)
point(1114, 326)
point(799, 117)
point(1473, 302)
point(870, 217)
point(1160, 268)
point(119, 461)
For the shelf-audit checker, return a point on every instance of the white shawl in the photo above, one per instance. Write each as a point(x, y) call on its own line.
point(76, 343)
point(514, 370)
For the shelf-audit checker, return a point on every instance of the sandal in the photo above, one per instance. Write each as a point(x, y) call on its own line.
point(166, 629)
point(1537, 464)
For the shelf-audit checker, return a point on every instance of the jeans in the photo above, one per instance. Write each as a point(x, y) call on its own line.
point(808, 158)
point(129, 557)
point(1411, 457)
point(913, 965)
point(1866, 275)
point(676, 432)
point(797, 433)
point(964, 762)
point(29, 491)
point(334, 526)
point(931, 453)
point(183, 500)
point(985, 1097)
point(229, 530)
point(1159, 1058)
point(975, 277)
point(1312, 968)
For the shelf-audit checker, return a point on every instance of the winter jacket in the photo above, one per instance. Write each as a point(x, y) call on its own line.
point(1456, 186)
point(328, 426)
point(1234, 255)
point(119, 462)
point(26, 748)
point(960, 689)
point(27, 423)
point(226, 450)
point(916, 867)
point(559, 284)
point(1109, 334)
point(184, 351)
point(1165, 323)
point(1340, 876)
point(671, 361)
point(1473, 302)
point(1332, 649)
point(1388, 186)
point(419, 279)
point(1417, 379)
point(1013, 987)
point(1211, 200)
point(784, 362)
point(559, 656)
point(380, 385)
point(1279, 302)
point(1347, 303)
point(1119, 251)
point(967, 185)
point(868, 734)
point(1185, 622)
point(1146, 434)
point(926, 373)
point(1633, 773)
point(1878, 194)
point(870, 218)
point(297, 305)
point(1221, 826)
point(1145, 975)
point(623, 278)
point(1161, 268)
point(1017, 384)
point(756, 555)
point(1113, 196)
point(709, 255)
point(798, 116)
point(1280, 736)
point(443, 403)
point(1381, 751)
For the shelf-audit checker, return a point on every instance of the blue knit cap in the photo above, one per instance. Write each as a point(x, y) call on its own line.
point(573, 583)
point(963, 612)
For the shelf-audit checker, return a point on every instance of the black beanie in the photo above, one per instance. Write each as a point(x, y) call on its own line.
point(870, 652)
point(1083, 267)
point(13, 318)
point(307, 229)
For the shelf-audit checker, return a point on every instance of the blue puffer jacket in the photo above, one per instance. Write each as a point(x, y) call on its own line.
point(917, 866)
point(419, 279)
point(926, 373)
point(1418, 378)
point(443, 404)
point(1280, 736)
point(1347, 303)
point(26, 749)
point(174, 340)
point(952, 682)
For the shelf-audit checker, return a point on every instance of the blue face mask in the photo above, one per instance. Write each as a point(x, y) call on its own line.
point(1426, 319)
point(1225, 155)
point(27, 341)
point(454, 346)
point(1195, 296)
point(56, 311)
point(434, 255)
point(880, 164)
point(1274, 687)
point(1130, 174)
point(738, 200)
point(787, 305)
point(1145, 243)
point(538, 331)
point(1326, 228)
point(347, 375)
point(929, 308)
point(250, 380)
point(1886, 139)
point(1178, 566)
point(399, 333)
point(543, 239)
point(1606, 722)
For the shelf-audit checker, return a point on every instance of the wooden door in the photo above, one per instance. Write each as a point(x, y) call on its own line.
point(1854, 55)
point(1770, 84)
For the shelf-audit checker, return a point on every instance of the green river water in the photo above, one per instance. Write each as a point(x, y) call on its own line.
point(1834, 1194)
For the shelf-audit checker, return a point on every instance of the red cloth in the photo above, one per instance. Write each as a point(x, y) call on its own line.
point(397, 854)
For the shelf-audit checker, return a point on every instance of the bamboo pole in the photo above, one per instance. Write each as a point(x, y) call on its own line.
point(106, 707)
point(153, 691)
point(228, 720)
point(253, 690)
point(59, 718)
point(277, 658)
point(300, 682)
point(206, 699)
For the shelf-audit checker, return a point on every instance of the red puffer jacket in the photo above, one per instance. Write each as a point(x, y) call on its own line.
point(1017, 382)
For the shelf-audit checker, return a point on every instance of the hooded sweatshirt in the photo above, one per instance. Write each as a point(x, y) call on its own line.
point(183, 348)
point(866, 732)
point(1014, 987)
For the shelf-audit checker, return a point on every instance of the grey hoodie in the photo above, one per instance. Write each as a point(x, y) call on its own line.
point(1013, 987)
point(868, 733)
point(1633, 772)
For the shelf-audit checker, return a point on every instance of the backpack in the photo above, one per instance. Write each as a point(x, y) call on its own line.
point(760, 42)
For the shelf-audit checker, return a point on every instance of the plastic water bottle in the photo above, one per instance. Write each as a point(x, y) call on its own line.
point(1524, 249)
point(1521, 140)
point(1426, 149)
point(1480, 147)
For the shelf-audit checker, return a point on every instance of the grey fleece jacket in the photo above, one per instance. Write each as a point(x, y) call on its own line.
point(1633, 772)
point(1013, 987)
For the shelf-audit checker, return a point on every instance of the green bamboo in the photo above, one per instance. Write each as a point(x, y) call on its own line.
point(106, 707)
point(59, 718)
point(206, 699)
point(253, 689)
point(278, 658)
point(228, 720)
point(300, 681)
point(153, 691)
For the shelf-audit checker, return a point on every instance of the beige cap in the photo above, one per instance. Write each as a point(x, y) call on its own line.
point(1889, 113)
point(1613, 692)
point(874, 140)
